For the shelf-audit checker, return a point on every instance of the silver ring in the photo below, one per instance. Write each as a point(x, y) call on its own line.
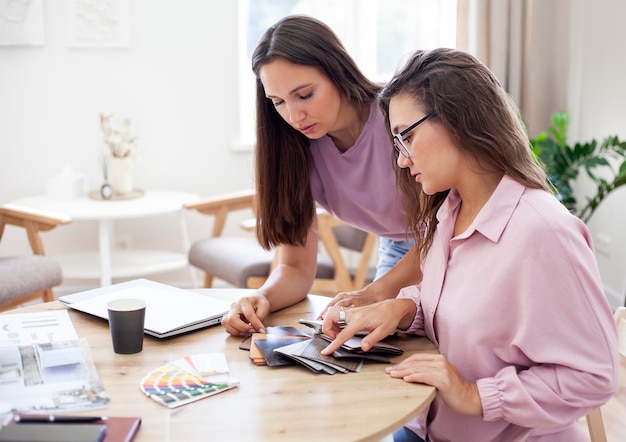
point(342, 318)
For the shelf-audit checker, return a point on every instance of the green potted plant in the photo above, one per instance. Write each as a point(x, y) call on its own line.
point(600, 161)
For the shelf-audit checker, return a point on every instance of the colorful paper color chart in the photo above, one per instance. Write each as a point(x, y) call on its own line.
point(177, 383)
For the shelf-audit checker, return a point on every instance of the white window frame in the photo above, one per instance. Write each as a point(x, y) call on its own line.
point(360, 38)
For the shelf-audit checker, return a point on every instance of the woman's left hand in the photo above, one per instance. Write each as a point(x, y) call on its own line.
point(358, 298)
point(434, 369)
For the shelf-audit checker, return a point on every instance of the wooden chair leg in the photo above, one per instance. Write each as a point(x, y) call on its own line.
point(255, 282)
point(47, 295)
point(39, 296)
point(596, 426)
point(208, 280)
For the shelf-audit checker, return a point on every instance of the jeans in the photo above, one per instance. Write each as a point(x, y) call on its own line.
point(389, 253)
point(406, 435)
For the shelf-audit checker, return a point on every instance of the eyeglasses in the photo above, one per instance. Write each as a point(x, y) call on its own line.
point(397, 138)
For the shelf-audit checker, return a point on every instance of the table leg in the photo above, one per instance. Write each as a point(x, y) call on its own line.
point(104, 239)
point(184, 236)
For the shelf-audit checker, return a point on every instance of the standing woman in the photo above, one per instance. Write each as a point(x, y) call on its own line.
point(321, 138)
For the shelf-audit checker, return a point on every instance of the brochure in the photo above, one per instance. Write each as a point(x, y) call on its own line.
point(50, 377)
point(44, 366)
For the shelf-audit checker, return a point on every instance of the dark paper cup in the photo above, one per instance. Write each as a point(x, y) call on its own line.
point(126, 321)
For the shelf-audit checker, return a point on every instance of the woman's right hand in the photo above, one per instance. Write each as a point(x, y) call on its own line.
point(246, 315)
point(287, 285)
point(379, 320)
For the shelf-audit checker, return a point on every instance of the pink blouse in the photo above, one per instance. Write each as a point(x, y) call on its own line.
point(516, 304)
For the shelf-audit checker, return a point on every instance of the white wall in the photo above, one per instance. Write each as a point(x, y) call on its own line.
point(598, 104)
point(177, 81)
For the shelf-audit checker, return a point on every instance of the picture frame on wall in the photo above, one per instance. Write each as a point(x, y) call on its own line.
point(21, 23)
point(97, 24)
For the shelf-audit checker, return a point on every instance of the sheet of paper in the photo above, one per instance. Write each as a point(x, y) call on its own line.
point(36, 327)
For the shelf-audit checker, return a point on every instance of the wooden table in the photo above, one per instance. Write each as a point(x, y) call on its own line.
point(271, 404)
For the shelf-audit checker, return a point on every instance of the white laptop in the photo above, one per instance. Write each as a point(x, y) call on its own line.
point(169, 310)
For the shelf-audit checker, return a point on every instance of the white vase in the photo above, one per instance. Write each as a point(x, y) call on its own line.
point(121, 174)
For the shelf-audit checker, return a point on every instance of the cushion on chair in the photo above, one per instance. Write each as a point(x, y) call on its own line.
point(235, 259)
point(350, 237)
point(24, 275)
point(325, 267)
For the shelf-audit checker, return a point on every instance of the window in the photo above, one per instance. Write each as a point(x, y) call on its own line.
point(378, 34)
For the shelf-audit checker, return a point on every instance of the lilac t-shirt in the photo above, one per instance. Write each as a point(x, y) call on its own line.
point(359, 186)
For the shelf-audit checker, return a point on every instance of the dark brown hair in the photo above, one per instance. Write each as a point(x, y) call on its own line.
point(285, 206)
point(480, 117)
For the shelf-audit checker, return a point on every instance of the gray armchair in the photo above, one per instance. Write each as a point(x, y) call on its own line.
point(27, 278)
point(242, 262)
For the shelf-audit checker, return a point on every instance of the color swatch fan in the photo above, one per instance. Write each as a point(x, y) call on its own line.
point(189, 379)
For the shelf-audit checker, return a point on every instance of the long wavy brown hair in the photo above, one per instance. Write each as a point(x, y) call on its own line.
point(480, 117)
point(285, 206)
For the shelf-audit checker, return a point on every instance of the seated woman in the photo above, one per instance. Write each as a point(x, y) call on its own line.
point(511, 294)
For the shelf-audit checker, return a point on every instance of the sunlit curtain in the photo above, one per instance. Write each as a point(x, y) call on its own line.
point(525, 43)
